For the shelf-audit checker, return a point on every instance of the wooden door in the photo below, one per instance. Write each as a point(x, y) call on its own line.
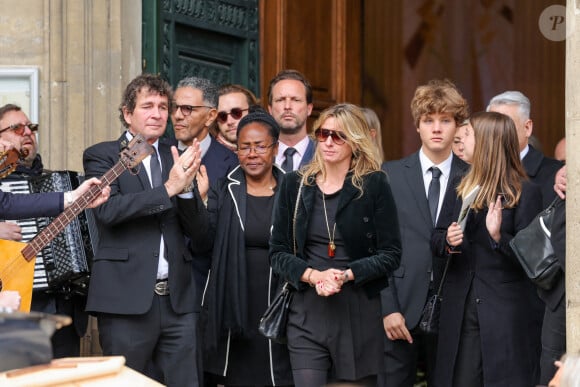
point(319, 38)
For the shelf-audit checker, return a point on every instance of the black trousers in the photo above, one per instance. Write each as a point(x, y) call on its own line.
point(553, 340)
point(160, 336)
point(402, 358)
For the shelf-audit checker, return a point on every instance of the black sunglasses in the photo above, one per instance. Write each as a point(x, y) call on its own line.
point(236, 114)
point(338, 138)
point(19, 128)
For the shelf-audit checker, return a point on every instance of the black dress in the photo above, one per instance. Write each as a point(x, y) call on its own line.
point(248, 356)
point(342, 333)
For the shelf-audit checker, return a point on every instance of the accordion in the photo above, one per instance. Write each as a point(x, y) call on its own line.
point(64, 264)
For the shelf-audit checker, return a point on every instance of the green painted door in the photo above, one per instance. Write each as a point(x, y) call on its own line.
point(214, 39)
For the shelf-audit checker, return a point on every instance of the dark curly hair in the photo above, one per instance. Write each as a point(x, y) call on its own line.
point(153, 83)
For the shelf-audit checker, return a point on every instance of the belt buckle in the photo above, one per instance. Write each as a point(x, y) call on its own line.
point(162, 288)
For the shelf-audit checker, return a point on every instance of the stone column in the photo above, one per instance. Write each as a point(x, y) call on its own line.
point(573, 172)
point(86, 52)
point(94, 50)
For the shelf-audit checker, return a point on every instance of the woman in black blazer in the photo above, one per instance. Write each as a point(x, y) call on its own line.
point(337, 253)
point(485, 334)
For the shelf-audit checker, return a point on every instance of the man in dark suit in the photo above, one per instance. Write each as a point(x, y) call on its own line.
point(290, 103)
point(437, 108)
point(195, 111)
point(540, 169)
point(142, 288)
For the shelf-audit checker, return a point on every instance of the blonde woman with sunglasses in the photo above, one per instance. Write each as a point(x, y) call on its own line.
point(347, 242)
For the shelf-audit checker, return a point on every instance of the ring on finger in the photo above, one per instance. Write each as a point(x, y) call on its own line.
point(185, 168)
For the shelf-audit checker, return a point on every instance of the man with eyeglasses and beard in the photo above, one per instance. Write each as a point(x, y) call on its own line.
point(16, 128)
point(290, 103)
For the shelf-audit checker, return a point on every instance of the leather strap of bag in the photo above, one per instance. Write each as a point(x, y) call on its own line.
point(296, 213)
point(443, 276)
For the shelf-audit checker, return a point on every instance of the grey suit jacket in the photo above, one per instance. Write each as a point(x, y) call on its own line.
point(409, 284)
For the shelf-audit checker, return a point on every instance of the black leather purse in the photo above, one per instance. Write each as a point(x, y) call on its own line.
point(429, 322)
point(533, 248)
point(274, 321)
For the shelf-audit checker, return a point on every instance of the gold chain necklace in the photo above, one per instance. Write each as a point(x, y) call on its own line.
point(331, 245)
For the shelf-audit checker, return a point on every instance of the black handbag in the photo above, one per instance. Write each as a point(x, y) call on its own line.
point(274, 321)
point(429, 322)
point(533, 248)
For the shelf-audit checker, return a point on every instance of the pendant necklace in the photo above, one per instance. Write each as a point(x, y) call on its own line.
point(331, 245)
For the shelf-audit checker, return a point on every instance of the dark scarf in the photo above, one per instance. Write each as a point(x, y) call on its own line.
point(34, 170)
point(226, 301)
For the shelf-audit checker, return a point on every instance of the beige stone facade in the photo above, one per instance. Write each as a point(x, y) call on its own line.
point(86, 52)
point(573, 174)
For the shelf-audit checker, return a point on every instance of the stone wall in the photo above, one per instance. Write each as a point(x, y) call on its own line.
point(86, 52)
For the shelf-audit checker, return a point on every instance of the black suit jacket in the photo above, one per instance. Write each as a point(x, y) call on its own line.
point(367, 224)
point(308, 154)
point(130, 223)
point(22, 206)
point(542, 171)
point(410, 282)
point(218, 161)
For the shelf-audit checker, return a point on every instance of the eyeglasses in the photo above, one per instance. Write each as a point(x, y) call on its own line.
point(259, 149)
point(19, 128)
point(187, 109)
point(236, 114)
point(337, 137)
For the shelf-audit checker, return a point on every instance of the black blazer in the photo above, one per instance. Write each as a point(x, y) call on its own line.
point(368, 225)
point(504, 298)
point(410, 283)
point(218, 161)
point(542, 171)
point(308, 154)
point(130, 223)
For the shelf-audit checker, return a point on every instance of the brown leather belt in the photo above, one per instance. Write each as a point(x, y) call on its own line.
point(162, 288)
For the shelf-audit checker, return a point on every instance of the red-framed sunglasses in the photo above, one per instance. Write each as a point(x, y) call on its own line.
point(338, 137)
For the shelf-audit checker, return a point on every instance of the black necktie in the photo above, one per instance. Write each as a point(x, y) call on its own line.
point(288, 164)
point(433, 195)
point(156, 179)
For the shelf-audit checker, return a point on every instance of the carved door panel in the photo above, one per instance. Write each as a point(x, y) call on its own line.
point(217, 40)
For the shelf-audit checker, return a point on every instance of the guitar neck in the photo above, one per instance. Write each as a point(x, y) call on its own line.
point(44, 237)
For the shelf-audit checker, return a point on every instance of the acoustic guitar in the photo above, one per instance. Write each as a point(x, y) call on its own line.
point(17, 258)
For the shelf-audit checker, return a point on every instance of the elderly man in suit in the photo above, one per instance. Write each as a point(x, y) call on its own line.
point(540, 169)
point(142, 288)
point(419, 183)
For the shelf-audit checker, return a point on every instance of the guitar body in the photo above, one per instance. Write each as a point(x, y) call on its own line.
point(19, 272)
